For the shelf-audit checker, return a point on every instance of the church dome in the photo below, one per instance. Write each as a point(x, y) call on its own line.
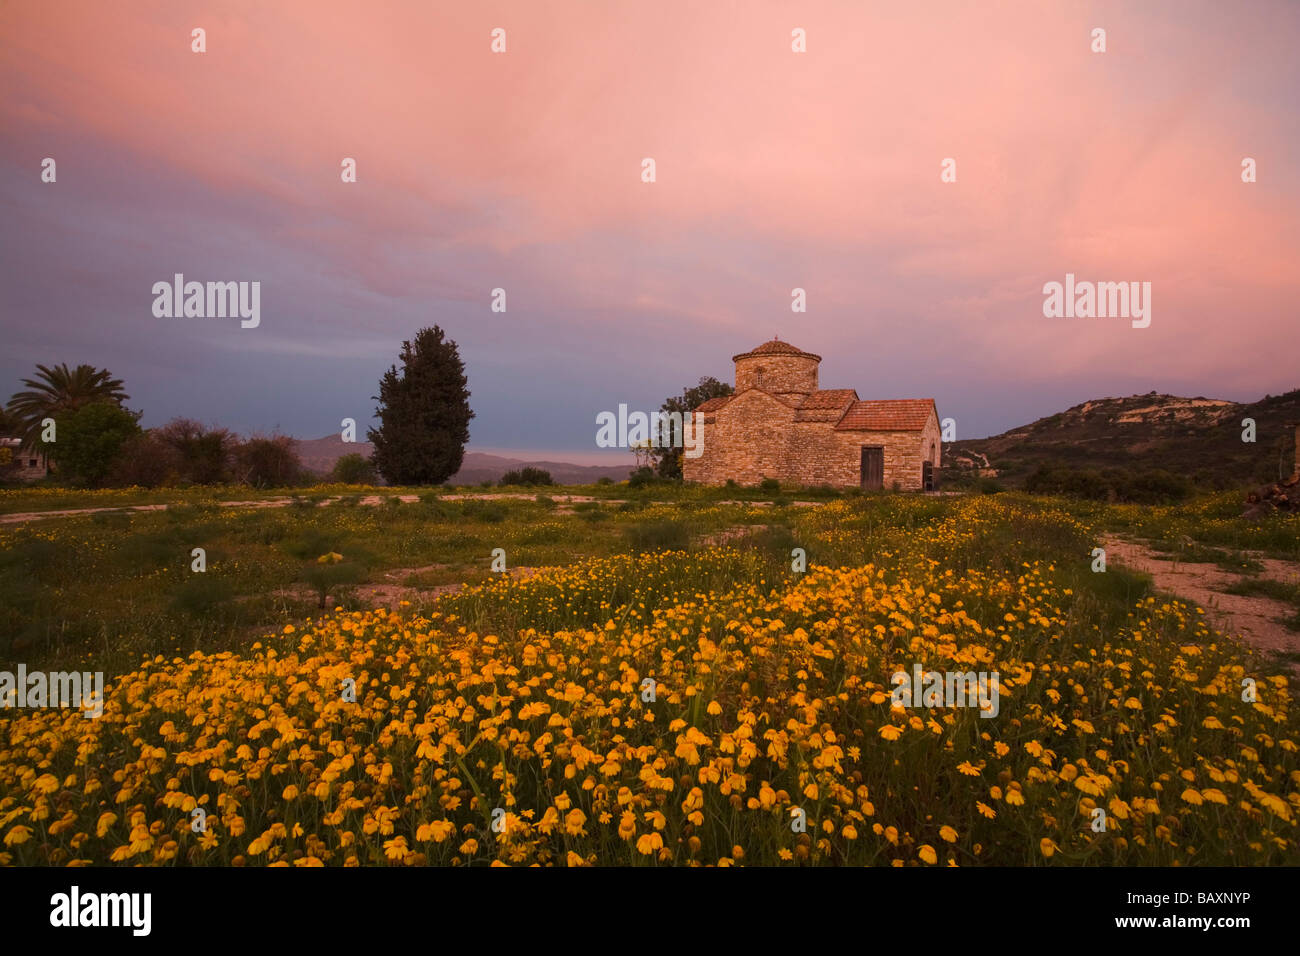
point(775, 347)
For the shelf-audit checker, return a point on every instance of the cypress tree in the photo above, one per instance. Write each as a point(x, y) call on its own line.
point(423, 413)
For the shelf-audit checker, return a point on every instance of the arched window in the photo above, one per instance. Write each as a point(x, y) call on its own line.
point(758, 378)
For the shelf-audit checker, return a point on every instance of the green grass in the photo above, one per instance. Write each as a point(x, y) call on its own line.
point(116, 586)
point(110, 589)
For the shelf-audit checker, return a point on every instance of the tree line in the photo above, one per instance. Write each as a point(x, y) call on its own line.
point(76, 419)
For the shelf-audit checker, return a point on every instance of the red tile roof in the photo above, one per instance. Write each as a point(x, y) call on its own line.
point(830, 398)
point(713, 404)
point(775, 347)
point(891, 415)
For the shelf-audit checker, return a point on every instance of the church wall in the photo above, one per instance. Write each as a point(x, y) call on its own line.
point(788, 374)
point(746, 441)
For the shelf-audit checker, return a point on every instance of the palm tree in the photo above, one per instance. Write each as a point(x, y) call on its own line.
point(60, 389)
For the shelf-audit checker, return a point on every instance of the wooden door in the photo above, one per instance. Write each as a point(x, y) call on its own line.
point(873, 466)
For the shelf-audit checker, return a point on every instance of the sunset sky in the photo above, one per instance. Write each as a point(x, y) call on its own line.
point(775, 170)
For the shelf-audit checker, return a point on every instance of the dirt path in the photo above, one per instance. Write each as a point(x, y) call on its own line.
point(566, 503)
point(1253, 617)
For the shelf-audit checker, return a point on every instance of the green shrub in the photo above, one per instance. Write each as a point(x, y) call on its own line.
point(89, 440)
point(643, 477)
point(269, 462)
point(527, 477)
point(1149, 486)
point(353, 469)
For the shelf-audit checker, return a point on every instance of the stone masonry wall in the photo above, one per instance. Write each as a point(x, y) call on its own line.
point(788, 374)
point(902, 458)
point(746, 441)
point(755, 437)
point(930, 436)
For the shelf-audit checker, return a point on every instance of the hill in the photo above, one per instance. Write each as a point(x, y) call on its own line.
point(319, 455)
point(1199, 439)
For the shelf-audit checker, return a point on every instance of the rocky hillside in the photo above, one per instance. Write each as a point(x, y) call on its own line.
point(1196, 438)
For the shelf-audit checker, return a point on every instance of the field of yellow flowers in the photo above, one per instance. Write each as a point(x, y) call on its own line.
point(694, 708)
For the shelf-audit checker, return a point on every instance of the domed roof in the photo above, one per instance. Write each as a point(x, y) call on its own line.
point(775, 347)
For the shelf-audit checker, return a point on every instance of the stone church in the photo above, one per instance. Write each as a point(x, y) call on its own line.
point(780, 424)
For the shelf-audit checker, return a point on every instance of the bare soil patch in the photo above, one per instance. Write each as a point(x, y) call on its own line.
point(1254, 617)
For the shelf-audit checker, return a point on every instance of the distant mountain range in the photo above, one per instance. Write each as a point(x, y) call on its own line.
point(319, 455)
point(1197, 438)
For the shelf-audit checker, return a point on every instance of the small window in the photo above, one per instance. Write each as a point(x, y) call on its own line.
point(31, 462)
point(758, 378)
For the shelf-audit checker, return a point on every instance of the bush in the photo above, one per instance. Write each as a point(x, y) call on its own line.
point(147, 461)
point(268, 462)
point(89, 440)
point(527, 476)
point(1150, 486)
point(1157, 486)
point(353, 469)
point(642, 477)
point(205, 454)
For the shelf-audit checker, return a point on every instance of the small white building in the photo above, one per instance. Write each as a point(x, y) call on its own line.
point(20, 464)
